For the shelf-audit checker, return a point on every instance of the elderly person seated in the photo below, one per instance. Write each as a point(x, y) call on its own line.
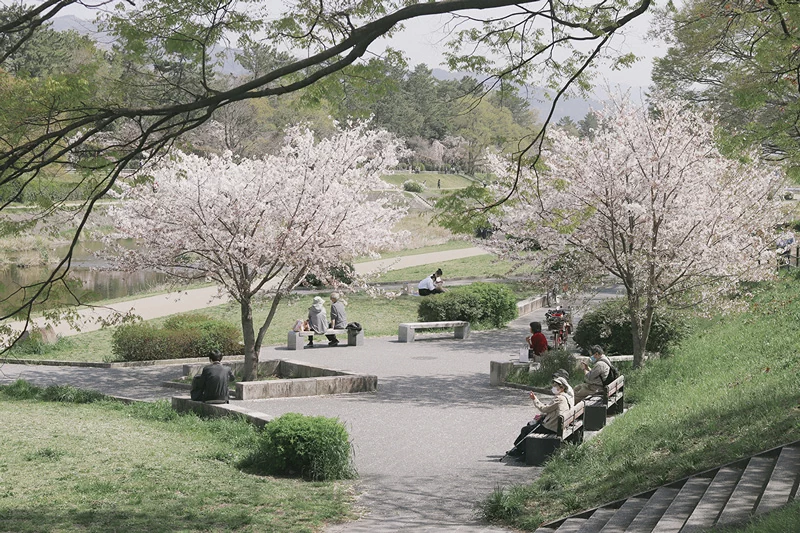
point(595, 376)
point(338, 317)
point(548, 422)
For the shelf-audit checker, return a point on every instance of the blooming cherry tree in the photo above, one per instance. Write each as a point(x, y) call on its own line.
point(260, 226)
point(650, 201)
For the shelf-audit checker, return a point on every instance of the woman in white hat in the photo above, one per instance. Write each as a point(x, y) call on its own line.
point(317, 319)
point(549, 422)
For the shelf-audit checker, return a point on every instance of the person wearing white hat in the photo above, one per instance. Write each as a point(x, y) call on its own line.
point(317, 319)
point(549, 422)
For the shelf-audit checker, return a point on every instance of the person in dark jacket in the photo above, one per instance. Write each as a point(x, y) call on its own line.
point(338, 317)
point(211, 385)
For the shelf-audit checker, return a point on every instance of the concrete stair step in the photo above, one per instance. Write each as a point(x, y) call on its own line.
point(653, 510)
point(782, 482)
point(682, 506)
point(571, 525)
point(751, 485)
point(624, 516)
point(713, 501)
point(595, 523)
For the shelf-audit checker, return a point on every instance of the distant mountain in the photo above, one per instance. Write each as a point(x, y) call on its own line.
point(539, 99)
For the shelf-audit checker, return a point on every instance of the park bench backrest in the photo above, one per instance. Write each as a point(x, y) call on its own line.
point(614, 389)
point(571, 421)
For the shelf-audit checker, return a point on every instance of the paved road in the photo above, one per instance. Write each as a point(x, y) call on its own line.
point(168, 304)
point(427, 443)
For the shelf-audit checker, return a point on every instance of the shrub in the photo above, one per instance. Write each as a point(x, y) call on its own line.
point(34, 344)
point(483, 305)
point(413, 186)
point(609, 326)
point(23, 390)
point(316, 448)
point(182, 336)
point(550, 362)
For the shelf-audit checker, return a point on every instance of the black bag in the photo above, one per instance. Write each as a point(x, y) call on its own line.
point(613, 373)
point(354, 326)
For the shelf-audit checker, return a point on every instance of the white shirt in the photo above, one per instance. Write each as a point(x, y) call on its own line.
point(426, 283)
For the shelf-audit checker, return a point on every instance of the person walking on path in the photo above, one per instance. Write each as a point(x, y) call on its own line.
point(338, 317)
point(593, 378)
point(317, 319)
point(211, 385)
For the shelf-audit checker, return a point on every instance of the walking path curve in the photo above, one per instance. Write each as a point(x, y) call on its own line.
point(427, 443)
point(168, 304)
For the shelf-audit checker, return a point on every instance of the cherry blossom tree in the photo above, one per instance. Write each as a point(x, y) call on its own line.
point(260, 226)
point(650, 201)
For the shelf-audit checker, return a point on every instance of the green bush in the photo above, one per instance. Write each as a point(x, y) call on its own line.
point(483, 305)
point(316, 448)
point(551, 362)
point(609, 326)
point(182, 336)
point(413, 186)
point(34, 345)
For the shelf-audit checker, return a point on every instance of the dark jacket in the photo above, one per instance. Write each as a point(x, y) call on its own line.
point(211, 385)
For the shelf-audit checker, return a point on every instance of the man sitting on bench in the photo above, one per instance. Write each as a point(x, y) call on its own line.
point(547, 422)
point(595, 377)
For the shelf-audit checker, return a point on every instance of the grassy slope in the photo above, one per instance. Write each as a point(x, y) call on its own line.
point(449, 181)
point(94, 467)
point(731, 390)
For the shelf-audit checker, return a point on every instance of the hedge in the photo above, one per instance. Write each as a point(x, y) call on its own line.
point(182, 336)
point(483, 305)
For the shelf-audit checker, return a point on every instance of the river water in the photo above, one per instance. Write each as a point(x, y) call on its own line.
point(97, 281)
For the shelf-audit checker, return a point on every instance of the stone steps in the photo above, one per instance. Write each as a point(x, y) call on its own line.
point(726, 495)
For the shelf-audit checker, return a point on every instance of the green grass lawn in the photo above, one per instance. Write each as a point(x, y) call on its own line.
point(378, 316)
point(107, 466)
point(730, 390)
point(479, 266)
point(449, 245)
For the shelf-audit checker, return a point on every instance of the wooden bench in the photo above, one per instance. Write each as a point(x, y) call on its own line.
point(611, 401)
point(295, 338)
point(407, 330)
point(540, 446)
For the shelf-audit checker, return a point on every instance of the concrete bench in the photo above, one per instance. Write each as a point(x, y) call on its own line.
point(295, 338)
point(407, 330)
point(611, 401)
point(540, 446)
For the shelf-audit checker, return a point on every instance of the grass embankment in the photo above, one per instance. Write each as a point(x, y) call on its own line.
point(107, 466)
point(430, 180)
point(729, 391)
point(478, 266)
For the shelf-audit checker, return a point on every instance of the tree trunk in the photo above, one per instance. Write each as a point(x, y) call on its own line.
point(634, 312)
point(248, 334)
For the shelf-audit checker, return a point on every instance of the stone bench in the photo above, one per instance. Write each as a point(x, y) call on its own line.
point(407, 330)
point(540, 446)
point(295, 341)
point(611, 401)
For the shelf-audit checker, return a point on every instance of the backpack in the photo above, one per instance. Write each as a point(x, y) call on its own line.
point(354, 326)
point(613, 373)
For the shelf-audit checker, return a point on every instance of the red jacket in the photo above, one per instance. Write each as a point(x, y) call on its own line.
point(538, 343)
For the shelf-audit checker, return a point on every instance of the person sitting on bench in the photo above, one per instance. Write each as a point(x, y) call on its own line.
point(548, 421)
point(317, 319)
point(537, 342)
point(338, 317)
point(594, 377)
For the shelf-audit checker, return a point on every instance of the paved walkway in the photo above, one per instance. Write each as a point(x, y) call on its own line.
point(427, 443)
point(168, 304)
